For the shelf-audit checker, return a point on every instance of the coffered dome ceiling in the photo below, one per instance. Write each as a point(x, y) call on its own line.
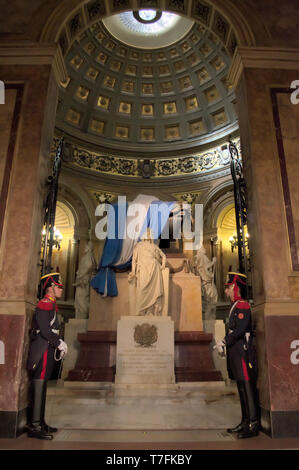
point(146, 92)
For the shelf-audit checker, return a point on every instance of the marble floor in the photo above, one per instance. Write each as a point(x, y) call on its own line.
point(105, 406)
point(79, 435)
point(197, 440)
point(184, 416)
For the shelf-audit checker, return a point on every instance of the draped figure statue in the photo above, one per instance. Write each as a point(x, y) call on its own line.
point(147, 264)
point(204, 268)
point(87, 266)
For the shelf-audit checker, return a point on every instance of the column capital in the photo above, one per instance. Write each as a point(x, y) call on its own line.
point(261, 58)
point(27, 53)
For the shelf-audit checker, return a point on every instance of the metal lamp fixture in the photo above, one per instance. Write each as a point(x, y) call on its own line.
point(234, 241)
point(57, 238)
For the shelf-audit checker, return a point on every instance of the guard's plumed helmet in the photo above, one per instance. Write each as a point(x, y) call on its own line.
point(238, 280)
point(51, 279)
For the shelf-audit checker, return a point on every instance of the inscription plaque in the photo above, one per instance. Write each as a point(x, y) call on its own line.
point(148, 356)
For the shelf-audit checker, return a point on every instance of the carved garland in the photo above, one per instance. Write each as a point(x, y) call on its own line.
point(216, 158)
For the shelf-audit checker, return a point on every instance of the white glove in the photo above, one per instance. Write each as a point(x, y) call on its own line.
point(221, 348)
point(63, 348)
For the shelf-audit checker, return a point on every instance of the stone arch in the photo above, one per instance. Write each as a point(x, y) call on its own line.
point(215, 201)
point(72, 17)
point(80, 207)
point(62, 255)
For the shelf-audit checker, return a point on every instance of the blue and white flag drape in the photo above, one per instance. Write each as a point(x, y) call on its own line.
point(118, 249)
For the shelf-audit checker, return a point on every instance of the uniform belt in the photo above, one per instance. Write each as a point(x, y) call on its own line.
point(53, 331)
point(247, 334)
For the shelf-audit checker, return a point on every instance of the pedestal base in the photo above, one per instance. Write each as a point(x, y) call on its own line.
point(97, 357)
point(193, 360)
point(72, 328)
point(217, 329)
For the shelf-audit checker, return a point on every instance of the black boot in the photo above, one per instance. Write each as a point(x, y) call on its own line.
point(240, 427)
point(45, 426)
point(35, 429)
point(251, 428)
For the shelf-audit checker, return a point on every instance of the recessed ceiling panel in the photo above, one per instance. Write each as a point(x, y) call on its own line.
point(167, 99)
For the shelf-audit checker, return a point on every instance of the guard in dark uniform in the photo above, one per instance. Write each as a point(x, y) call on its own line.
point(241, 357)
point(46, 346)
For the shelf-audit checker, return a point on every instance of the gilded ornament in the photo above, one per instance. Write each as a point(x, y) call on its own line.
point(145, 335)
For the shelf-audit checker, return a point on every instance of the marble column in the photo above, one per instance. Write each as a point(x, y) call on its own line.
point(30, 74)
point(269, 118)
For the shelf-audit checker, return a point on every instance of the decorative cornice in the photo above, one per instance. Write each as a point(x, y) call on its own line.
point(261, 58)
point(209, 161)
point(34, 54)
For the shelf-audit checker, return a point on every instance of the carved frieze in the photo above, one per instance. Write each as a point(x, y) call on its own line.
point(213, 159)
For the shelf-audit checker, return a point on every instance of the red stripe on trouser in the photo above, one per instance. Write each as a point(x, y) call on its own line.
point(45, 360)
point(245, 372)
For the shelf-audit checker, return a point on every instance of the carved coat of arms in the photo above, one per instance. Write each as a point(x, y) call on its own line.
point(145, 335)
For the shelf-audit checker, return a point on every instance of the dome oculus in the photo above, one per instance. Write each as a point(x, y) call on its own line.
point(147, 16)
point(135, 28)
point(143, 21)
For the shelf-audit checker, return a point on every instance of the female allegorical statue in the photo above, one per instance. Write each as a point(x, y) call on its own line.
point(147, 264)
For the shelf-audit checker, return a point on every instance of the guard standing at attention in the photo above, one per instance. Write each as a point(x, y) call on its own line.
point(241, 357)
point(46, 346)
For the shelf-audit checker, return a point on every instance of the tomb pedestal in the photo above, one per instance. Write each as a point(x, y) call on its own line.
point(145, 350)
point(192, 355)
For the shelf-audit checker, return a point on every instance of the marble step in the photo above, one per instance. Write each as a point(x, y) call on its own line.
point(179, 406)
point(127, 394)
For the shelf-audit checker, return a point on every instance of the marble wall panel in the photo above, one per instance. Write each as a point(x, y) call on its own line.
point(262, 360)
point(282, 340)
point(286, 116)
point(19, 251)
point(267, 211)
point(9, 121)
point(11, 334)
point(6, 119)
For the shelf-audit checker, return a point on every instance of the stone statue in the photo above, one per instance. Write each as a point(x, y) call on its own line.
point(87, 266)
point(204, 268)
point(147, 264)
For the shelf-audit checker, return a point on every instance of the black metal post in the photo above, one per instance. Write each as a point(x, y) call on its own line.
point(240, 205)
point(50, 211)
